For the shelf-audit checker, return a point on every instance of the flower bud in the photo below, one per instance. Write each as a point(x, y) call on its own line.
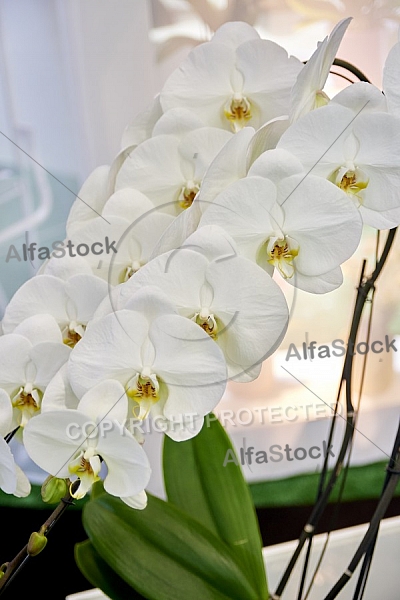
point(53, 489)
point(36, 544)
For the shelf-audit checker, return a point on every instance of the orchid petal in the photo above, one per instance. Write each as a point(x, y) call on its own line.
point(391, 80)
point(52, 439)
point(254, 314)
point(320, 284)
point(48, 359)
point(44, 294)
point(227, 167)
point(5, 413)
point(12, 371)
point(266, 138)
point(40, 328)
point(86, 292)
point(23, 487)
point(190, 363)
point(202, 83)
point(276, 165)
point(142, 125)
point(323, 220)
point(269, 87)
point(138, 501)
point(313, 76)
point(91, 197)
point(66, 266)
point(361, 96)
point(106, 401)
point(8, 476)
point(234, 34)
point(110, 349)
point(127, 464)
point(58, 393)
point(177, 121)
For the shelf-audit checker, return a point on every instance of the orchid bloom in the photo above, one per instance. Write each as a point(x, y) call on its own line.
point(230, 298)
point(301, 225)
point(29, 359)
point(91, 198)
point(235, 80)
point(307, 93)
point(228, 166)
point(70, 303)
point(74, 443)
point(170, 166)
point(391, 79)
point(357, 151)
point(12, 479)
point(170, 368)
point(135, 133)
point(134, 224)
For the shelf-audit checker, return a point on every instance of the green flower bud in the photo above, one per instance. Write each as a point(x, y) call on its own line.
point(53, 489)
point(36, 544)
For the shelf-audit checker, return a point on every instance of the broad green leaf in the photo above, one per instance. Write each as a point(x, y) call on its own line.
point(203, 477)
point(97, 489)
point(100, 575)
point(163, 553)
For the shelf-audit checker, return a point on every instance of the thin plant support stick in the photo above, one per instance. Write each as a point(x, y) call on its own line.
point(363, 292)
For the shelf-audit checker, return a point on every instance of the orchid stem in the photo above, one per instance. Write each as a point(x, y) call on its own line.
point(15, 565)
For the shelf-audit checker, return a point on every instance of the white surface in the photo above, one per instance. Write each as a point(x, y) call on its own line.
point(384, 576)
point(383, 580)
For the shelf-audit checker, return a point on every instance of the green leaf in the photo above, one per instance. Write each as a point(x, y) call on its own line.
point(97, 489)
point(218, 496)
point(100, 575)
point(163, 553)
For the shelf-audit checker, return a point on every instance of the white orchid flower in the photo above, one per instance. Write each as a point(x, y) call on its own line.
point(169, 168)
point(229, 165)
point(233, 81)
point(361, 97)
point(71, 303)
point(142, 126)
point(135, 133)
point(29, 359)
point(136, 227)
point(91, 197)
point(234, 301)
point(59, 393)
point(74, 443)
point(170, 368)
point(391, 79)
point(307, 93)
point(304, 227)
point(12, 479)
point(360, 153)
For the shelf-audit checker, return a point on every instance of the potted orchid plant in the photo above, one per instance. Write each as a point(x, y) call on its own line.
point(241, 174)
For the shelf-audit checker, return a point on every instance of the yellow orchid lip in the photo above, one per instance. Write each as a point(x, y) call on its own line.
point(351, 180)
point(281, 256)
point(86, 467)
point(238, 112)
point(144, 389)
point(72, 333)
point(187, 194)
point(207, 322)
point(28, 400)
